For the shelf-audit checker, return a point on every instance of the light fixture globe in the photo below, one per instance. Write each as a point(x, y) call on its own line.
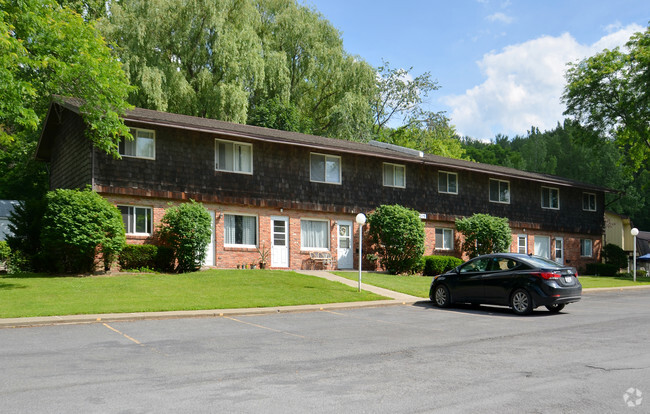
point(634, 231)
point(361, 219)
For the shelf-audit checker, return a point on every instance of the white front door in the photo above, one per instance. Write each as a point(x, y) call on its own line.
point(209, 251)
point(543, 246)
point(344, 251)
point(279, 241)
point(559, 250)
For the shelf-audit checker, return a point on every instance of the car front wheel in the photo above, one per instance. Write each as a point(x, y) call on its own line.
point(555, 308)
point(521, 302)
point(441, 297)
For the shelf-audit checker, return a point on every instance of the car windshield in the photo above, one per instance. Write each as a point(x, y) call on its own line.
point(537, 261)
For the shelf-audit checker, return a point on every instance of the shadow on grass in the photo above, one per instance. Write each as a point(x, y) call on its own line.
point(10, 286)
point(496, 311)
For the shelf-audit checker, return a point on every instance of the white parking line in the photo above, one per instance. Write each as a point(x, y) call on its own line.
point(264, 327)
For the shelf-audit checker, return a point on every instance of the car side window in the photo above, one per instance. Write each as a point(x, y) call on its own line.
point(503, 264)
point(475, 266)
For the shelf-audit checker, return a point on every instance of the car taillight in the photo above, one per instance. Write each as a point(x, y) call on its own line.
point(547, 275)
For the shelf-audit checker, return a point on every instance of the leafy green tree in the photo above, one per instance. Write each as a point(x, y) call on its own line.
point(484, 234)
point(78, 225)
point(187, 229)
point(48, 49)
point(398, 235)
point(614, 255)
point(610, 92)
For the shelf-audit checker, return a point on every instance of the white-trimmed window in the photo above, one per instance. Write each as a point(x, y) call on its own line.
point(589, 201)
point(444, 239)
point(447, 182)
point(522, 244)
point(137, 220)
point(394, 175)
point(586, 248)
point(314, 234)
point(499, 191)
point(240, 230)
point(143, 144)
point(325, 168)
point(551, 198)
point(231, 156)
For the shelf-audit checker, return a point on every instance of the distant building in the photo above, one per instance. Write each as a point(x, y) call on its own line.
point(6, 207)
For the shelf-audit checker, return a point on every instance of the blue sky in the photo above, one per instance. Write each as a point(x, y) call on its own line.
point(500, 63)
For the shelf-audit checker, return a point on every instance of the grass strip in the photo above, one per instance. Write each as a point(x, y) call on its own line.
point(42, 295)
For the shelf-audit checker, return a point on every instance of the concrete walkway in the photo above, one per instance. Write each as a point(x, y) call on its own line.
point(397, 299)
point(354, 283)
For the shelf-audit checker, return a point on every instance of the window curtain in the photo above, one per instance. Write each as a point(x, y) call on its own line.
point(314, 234)
point(249, 230)
point(230, 229)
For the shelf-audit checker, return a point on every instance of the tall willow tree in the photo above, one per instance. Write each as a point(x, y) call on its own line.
point(272, 63)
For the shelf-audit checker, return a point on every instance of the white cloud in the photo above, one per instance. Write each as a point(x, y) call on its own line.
point(523, 85)
point(499, 17)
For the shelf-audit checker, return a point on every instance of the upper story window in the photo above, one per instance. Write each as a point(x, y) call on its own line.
point(551, 198)
point(233, 156)
point(137, 220)
point(499, 191)
point(240, 230)
point(143, 144)
point(394, 175)
point(325, 168)
point(444, 239)
point(589, 201)
point(447, 182)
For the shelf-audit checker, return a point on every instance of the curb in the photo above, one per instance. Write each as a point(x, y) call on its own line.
point(615, 289)
point(213, 313)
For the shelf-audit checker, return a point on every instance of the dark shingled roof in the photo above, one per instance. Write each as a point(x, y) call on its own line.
point(147, 116)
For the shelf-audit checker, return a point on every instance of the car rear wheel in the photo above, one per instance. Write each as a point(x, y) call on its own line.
point(521, 302)
point(441, 297)
point(555, 308)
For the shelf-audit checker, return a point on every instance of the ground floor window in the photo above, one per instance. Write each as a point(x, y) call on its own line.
point(314, 234)
point(543, 246)
point(240, 230)
point(137, 220)
point(444, 239)
point(586, 248)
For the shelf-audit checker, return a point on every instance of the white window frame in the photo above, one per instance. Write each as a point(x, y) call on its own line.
point(524, 246)
point(450, 238)
point(583, 248)
point(326, 158)
point(302, 239)
point(549, 191)
point(590, 196)
point(447, 174)
point(499, 183)
point(235, 162)
point(257, 231)
point(394, 166)
point(135, 132)
point(132, 218)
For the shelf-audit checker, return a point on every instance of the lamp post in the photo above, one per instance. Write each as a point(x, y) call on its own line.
point(361, 220)
point(634, 232)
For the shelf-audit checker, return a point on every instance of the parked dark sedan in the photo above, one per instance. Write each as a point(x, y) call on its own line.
point(520, 281)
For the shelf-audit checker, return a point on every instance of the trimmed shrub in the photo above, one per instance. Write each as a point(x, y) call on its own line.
point(164, 260)
point(25, 224)
point(138, 256)
point(77, 225)
point(484, 234)
point(435, 265)
point(398, 235)
point(614, 255)
point(601, 269)
point(186, 229)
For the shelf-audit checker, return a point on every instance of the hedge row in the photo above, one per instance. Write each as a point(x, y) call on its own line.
point(147, 256)
point(435, 265)
point(602, 269)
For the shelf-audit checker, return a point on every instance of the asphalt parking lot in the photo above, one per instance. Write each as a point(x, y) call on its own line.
point(593, 357)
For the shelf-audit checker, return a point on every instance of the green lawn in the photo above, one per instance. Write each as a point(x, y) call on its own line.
point(411, 285)
point(39, 295)
point(419, 285)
